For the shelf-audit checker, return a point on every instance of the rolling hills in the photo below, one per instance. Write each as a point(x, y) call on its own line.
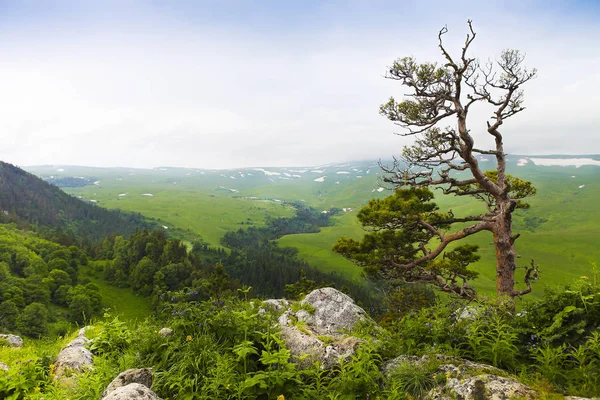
point(560, 230)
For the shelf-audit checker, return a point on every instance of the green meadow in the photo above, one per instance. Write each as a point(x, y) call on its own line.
point(560, 231)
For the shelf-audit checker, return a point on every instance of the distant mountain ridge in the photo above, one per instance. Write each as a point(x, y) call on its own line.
point(26, 199)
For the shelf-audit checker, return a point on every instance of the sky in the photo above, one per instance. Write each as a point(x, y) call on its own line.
point(228, 84)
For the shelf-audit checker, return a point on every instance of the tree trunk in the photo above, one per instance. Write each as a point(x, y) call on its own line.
point(505, 254)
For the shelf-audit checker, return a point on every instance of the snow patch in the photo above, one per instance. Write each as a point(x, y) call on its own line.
point(96, 183)
point(123, 194)
point(148, 194)
point(348, 209)
point(564, 162)
point(165, 227)
point(321, 179)
point(93, 201)
point(267, 172)
point(297, 176)
point(380, 189)
point(318, 171)
point(522, 161)
point(337, 182)
point(358, 177)
point(60, 170)
point(581, 186)
point(573, 176)
point(342, 172)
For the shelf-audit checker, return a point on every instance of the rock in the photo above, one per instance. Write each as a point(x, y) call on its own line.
point(13, 340)
point(165, 332)
point(451, 364)
point(143, 376)
point(74, 357)
point(276, 304)
point(133, 391)
point(3, 366)
point(491, 387)
point(465, 380)
point(314, 333)
point(334, 311)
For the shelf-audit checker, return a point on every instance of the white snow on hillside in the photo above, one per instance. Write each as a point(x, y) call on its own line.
point(123, 194)
point(148, 194)
point(266, 172)
point(581, 186)
point(321, 179)
point(300, 171)
point(165, 227)
point(97, 183)
point(93, 201)
point(337, 182)
point(60, 170)
point(380, 189)
point(565, 162)
point(286, 174)
point(342, 172)
point(297, 176)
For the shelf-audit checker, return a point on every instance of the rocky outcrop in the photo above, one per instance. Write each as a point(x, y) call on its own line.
point(334, 311)
point(74, 357)
point(128, 383)
point(3, 366)
point(13, 340)
point(318, 330)
point(490, 387)
point(133, 391)
point(462, 379)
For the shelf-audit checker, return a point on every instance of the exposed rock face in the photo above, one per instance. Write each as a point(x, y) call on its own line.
point(133, 391)
point(334, 311)
point(74, 357)
point(143, 376)
point(165, 332)
point(316, 336)
point(13, 340)
point(466, 380)
point(490, 387)
point(3, 366)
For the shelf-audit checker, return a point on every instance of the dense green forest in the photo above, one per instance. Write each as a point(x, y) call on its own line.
point(40, 288)
point(30, 201)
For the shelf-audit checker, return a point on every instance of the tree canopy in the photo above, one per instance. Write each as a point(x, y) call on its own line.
point(410, 238)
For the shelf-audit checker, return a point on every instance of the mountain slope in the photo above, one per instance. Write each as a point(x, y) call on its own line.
point(28, 200)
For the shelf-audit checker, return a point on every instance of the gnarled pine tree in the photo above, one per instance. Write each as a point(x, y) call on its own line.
point(409, 233)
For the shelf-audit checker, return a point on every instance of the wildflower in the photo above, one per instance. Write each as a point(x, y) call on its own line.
point(37, 389)
point(280, 397)
point(188, 338)
point(583, 277)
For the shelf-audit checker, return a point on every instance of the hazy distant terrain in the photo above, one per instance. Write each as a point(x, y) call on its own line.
point(560, 231)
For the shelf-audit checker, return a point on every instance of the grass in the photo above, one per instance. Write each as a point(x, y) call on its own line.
point(560, 231)
point(121, 301)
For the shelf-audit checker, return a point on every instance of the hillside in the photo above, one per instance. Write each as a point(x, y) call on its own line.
point(558, 231)
point(28, 200)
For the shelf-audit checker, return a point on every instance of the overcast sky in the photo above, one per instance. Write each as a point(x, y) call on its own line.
point(224, 83)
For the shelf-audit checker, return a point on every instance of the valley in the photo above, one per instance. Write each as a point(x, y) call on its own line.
point(559, 231)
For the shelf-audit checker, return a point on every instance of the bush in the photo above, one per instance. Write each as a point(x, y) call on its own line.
point(33, 321)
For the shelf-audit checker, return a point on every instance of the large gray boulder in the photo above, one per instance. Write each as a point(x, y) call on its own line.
point(132, 391)
point(143, 376)
point(315, 333)
point(74, 357)
point(334, 311)
point(13, 340)
point(490, 387)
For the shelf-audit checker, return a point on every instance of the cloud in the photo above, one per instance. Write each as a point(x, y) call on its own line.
point(198, 86)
